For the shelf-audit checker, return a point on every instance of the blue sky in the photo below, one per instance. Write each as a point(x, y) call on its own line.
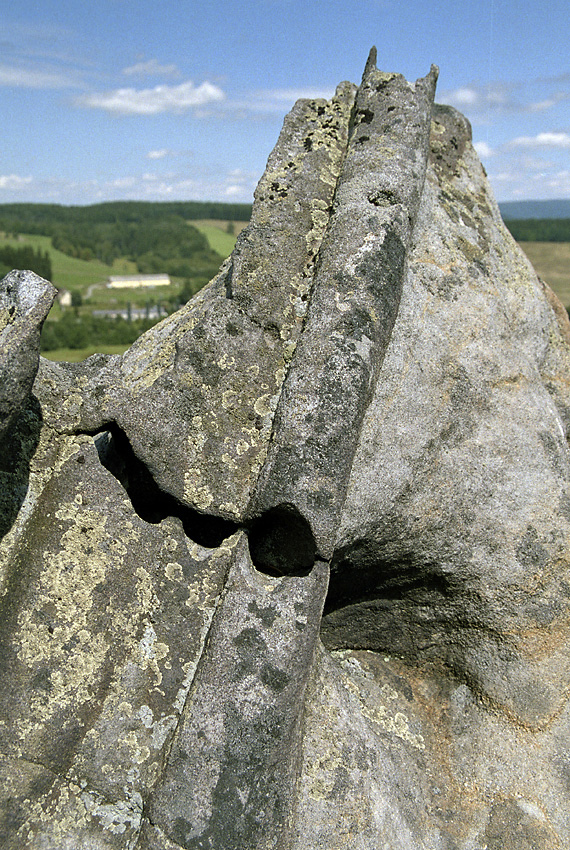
point(180, 100)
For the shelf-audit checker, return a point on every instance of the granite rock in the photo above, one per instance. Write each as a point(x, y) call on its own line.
point(25, 300)
point(293, 572)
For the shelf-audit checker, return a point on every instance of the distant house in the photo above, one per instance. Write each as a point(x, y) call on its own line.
point(64, 297)
point(134, 281)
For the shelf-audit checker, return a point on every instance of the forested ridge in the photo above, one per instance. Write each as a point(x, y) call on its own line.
point(26, 216)
point(156, 236)
point(25, 257)
point(540, 229)
point(73, 225)
point(153, 237)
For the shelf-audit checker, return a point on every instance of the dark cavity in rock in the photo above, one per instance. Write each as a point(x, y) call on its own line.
point(150, 502)
point(281, 542)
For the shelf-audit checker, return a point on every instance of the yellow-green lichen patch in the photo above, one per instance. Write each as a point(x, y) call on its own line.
point(173, 572)
point(264, 404)
point(6, 317)
point(321, 774)
point(196, 490)
point(72, 813)
point(65, 591)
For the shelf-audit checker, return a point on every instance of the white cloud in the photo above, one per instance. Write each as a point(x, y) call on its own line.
point(122, 183)
point(233, 191)
point(559, 183)
point(482, 102)
point(549, 102)
point(149, 68)
point(483, 149)
point(13, 181)
point(475, 99)
point(463, 97)
point(543, 140)
point(272, 101)
point(33, 79)
point(129, 101)
point(291, 95)
point(542, 105)
point(160, 154)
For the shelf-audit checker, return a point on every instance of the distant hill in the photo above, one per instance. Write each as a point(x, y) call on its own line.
point(511, 210)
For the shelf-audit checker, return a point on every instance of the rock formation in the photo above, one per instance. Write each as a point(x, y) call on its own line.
point(293, 572)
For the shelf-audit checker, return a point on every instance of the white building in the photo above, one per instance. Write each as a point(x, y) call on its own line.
point(64, 297)
point(134, 281)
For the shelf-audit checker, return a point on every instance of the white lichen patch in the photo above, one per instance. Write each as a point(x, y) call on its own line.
point(372, 242)
point(151, 652)
point(341, 303)
point(66, 818)
point(116, 817)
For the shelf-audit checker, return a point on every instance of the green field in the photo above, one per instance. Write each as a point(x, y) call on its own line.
point(551, 261)
point(89, 278)
point(68, 273)
point(73, 274)
point(74, 355)
point(216, 232)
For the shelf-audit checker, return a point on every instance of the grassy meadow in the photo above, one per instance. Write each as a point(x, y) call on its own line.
point(216, 232)
point(88, 278)
point(74, 355)
point(551, 261)
point(68, 273)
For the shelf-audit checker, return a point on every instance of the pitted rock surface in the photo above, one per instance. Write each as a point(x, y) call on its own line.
point(293, 572)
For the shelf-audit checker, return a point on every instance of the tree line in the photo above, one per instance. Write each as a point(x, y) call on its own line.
point(81, 331)
point(540, 229)
point(168, 244)
point(25, 257)
point(35, 218)
point(157, 237)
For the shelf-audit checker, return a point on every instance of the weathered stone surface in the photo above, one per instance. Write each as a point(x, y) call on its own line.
point(458, 491)
point(25, 300)
point(196, 395)
point(235, 757)
point(376, 387)
point(357, 290)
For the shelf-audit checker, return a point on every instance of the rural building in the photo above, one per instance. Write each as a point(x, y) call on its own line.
point(64, 297)
point(137, 280)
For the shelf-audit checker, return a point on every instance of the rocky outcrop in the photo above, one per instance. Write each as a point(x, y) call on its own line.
point(293, 572)
point(25, 300)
